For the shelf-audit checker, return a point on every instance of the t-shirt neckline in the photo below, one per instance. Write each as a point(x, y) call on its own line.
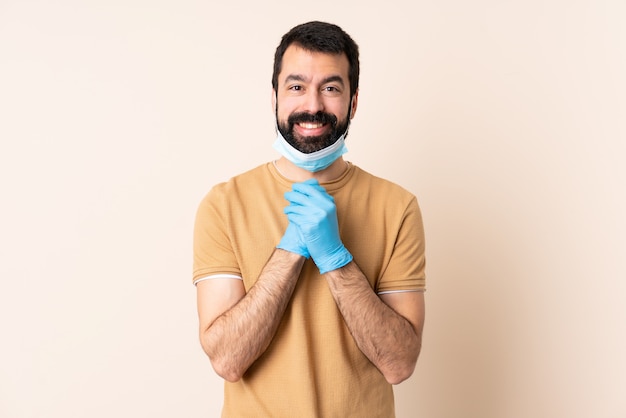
point(335, 184)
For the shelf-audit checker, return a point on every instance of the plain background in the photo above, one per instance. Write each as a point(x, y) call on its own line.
point(505, 118)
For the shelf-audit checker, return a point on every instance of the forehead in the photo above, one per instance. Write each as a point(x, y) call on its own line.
point(313, 65)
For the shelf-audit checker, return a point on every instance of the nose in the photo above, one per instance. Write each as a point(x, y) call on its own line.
point(313, 102)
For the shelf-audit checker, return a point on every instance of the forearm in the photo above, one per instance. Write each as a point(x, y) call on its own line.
point(385, 337)
point(240, 335)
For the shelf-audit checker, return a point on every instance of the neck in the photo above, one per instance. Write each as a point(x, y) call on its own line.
point(297, 174)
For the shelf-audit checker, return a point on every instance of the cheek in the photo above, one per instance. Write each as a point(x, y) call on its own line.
point(284, 108)
point(338, 108)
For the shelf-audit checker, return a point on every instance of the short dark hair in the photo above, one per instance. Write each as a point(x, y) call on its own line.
point(320, 37)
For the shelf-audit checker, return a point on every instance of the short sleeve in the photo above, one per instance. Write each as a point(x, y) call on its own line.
point(212, 246)
point(406, 268)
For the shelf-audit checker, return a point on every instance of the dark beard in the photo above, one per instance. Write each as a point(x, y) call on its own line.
point(310, 144)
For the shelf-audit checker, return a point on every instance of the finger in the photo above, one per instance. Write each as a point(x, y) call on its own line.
point(297, 220)
point(313, 191)
point(312, 198)
point(298, 210)
point(307, 188)
point(301, 216)
point(296, 198)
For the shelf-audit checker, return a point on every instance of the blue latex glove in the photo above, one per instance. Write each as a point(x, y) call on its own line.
point(313, 211)
point(292, 241)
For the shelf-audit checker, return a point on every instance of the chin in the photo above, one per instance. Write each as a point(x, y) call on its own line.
point(309, 145)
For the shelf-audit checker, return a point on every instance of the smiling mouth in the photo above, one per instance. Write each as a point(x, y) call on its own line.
point(310, 125)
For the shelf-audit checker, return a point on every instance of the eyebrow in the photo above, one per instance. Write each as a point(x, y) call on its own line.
point(329, 79)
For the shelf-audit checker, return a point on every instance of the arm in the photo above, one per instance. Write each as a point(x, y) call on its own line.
point(387, 329)
point(237, 327)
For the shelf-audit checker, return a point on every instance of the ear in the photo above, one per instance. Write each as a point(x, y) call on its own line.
point(354, 103)
point(274, 101)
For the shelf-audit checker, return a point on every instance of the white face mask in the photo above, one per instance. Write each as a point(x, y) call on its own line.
point(314, 161)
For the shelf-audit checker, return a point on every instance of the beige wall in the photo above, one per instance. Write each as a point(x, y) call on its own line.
point(505, 118)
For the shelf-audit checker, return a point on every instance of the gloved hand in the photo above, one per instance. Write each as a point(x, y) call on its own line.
point(313, 211)
point(292, 241)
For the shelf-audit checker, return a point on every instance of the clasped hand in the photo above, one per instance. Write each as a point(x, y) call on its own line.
point(313, 229)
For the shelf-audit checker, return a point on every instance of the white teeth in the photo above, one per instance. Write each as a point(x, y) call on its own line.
point(311, 125)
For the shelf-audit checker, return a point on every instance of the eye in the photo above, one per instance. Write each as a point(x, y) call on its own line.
point(331, 90)
point(295, 88)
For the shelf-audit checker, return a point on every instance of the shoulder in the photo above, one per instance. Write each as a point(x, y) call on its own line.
point(381, 187)
point(247, 192)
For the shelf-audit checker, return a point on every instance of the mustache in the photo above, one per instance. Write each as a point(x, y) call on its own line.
point(319, 117)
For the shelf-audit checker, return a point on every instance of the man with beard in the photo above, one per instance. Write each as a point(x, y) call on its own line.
point(309, 270)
